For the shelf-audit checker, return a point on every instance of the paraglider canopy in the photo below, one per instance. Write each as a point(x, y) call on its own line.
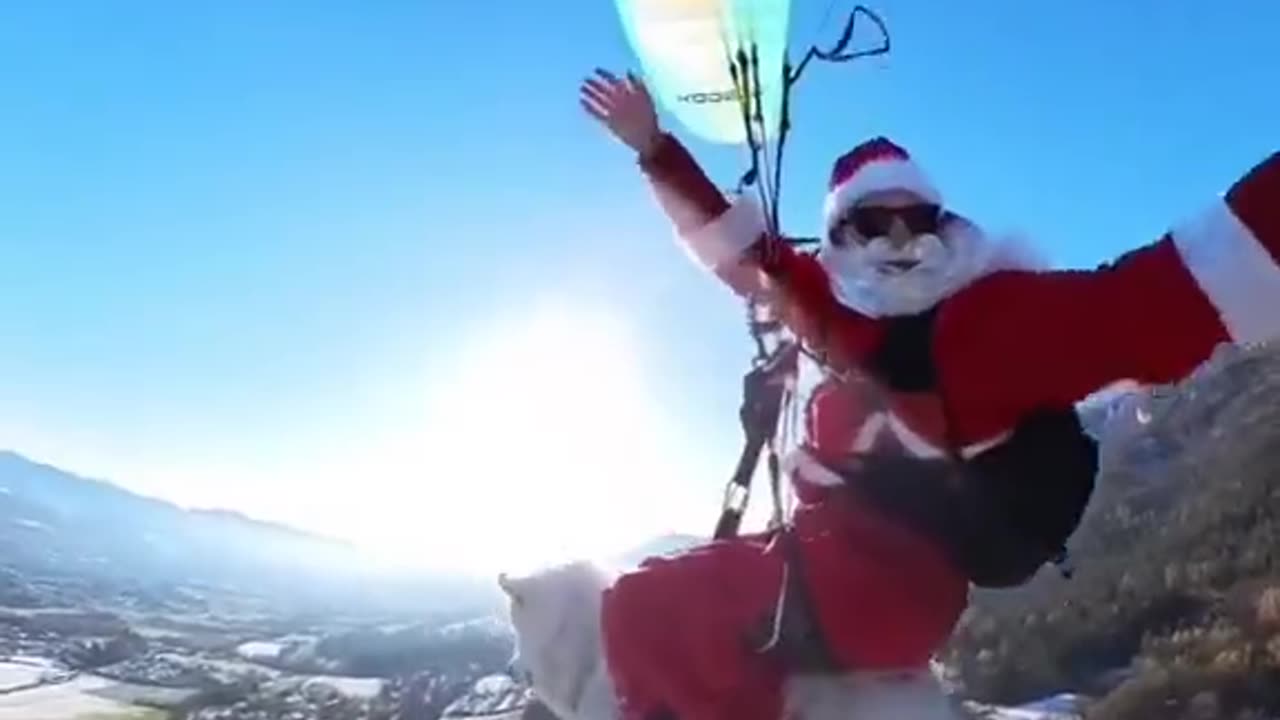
point(721, 68)
point(687, 48)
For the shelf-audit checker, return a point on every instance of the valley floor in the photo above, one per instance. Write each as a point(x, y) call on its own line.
point(83, 697)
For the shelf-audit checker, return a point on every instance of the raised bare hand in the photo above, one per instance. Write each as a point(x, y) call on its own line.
point(624, 107)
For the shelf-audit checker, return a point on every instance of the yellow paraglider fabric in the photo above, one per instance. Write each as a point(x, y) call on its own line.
point(685, 48)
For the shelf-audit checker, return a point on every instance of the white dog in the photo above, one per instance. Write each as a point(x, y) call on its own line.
point(559, 649)
point(559, 644)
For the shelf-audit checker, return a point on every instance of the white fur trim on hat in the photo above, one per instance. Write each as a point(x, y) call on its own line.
point(889, 174)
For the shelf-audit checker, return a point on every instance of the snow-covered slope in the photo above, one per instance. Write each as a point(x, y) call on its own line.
point(1066, 706)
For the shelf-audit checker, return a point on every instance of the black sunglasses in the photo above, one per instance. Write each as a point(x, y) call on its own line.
point(874, 221)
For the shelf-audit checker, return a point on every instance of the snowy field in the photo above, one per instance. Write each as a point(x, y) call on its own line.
point(365, 688)
point(1058, 707)
point(19, 674)
point(84, 698)
point(36, 689)
point(260, 650)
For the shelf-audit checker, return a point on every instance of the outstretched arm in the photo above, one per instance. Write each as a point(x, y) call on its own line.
point(729, 239)
point(720, 236)
point(1020, 341)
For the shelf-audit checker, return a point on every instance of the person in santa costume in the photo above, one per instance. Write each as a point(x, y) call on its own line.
point(939, 341)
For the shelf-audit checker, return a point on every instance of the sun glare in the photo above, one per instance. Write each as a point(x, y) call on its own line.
point(543, 444)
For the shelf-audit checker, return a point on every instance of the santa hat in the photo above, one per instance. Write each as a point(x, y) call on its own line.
point(877, 164)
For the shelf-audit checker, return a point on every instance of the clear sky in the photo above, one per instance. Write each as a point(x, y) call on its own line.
point(365, 267)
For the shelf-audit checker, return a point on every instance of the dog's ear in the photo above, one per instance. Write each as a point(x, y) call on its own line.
point(511, 586)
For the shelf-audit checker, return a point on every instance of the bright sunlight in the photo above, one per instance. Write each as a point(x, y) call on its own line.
point(542, 444)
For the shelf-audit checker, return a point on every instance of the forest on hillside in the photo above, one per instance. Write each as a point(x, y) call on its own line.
point(1174, 611)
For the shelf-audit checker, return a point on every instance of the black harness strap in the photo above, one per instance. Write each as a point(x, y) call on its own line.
point(763, 389)
point(793, 634)
point(764, 386)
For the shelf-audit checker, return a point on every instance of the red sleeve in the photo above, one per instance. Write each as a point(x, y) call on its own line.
point(684, 191)
point(1016, 341)
point(731, 240)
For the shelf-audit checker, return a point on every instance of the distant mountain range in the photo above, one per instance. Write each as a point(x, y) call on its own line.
point(661, 545)
point(76, 530)
point(58, 525)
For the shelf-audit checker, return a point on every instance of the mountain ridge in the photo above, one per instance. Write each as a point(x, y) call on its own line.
point(11, 459)
point(77, 529)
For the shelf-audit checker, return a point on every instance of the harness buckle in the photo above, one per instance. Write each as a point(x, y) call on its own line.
point(735, 497)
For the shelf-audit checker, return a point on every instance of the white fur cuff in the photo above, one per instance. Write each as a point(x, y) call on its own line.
point(1235, 271)
point(968, 452)
point(806, 467)
point(724, 239)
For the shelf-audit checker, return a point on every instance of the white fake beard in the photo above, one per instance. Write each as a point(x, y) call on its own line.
point(863, 280)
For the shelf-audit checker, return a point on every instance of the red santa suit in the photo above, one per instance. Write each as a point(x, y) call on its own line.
point(1007, 339)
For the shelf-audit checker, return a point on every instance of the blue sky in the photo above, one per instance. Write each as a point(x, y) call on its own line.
point(245, 246)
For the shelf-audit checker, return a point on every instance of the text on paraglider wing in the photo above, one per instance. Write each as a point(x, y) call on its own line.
point(705, 98)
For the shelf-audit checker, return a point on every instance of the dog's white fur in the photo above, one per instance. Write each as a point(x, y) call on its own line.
point(559, 643)
point(559, 640)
